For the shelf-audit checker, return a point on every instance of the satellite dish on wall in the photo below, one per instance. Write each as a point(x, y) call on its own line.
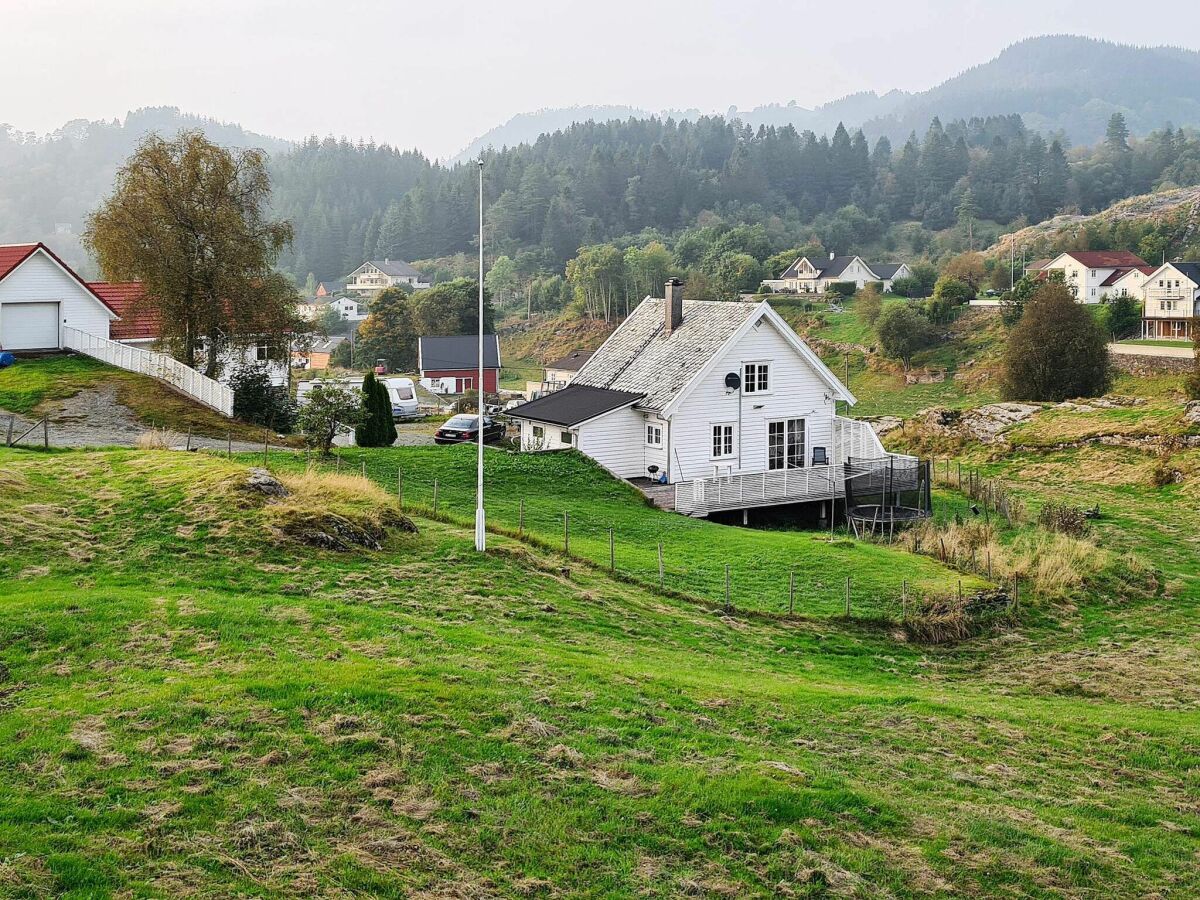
point(733, 381)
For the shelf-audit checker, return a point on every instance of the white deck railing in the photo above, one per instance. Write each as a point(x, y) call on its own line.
point(157, 365)
point(852, 438)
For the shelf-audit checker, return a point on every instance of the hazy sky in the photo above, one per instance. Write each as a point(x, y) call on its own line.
point(435, 75)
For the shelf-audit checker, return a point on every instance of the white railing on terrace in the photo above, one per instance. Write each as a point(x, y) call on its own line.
point(157, 365)
point(852, 439)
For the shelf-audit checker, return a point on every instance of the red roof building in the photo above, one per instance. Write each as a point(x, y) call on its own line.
point(123, 297)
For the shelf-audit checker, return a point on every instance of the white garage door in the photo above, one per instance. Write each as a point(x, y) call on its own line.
point(29, 326)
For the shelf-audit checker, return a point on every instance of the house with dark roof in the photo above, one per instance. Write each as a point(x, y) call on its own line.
point(1085, 271)
point(449, 364)
point(723, 400)
point(43, 300)
point(558, 373)
point(813, 275)
point(1171, 301)
point(375, 275)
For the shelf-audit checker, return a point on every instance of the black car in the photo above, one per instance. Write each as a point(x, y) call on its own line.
point(463, 428)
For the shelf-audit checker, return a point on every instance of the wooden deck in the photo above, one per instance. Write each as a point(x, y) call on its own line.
point(661, 495)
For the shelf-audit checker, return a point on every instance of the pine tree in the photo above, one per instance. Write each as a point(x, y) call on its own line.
point(377, 428)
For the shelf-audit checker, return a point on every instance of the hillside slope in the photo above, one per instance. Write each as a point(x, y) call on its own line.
point(193, 703)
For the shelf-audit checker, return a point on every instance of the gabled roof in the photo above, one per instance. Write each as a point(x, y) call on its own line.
point(574, 405)
point(123, 298)
point(885, 271)
point(572, 362)
point(639, 357)
point(1038, 264)
point(1190, 270)
point(12, 255)
point(397, 268)
point(1104, 259)
point(457, 351)
point(1118, 274)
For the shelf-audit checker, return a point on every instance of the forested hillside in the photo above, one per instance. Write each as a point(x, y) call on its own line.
point(639, 180)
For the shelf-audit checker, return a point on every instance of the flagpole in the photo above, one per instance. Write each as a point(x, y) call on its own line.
point(480, 517)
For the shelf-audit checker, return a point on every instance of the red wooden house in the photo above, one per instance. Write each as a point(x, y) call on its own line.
point(452, 362)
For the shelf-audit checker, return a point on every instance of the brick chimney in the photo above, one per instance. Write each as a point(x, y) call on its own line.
point(673, 308)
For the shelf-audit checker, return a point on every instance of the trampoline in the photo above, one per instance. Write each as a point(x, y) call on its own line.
point(886, 495)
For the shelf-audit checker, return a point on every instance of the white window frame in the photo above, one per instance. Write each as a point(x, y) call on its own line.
point(565, 437)
point(787, 435)
point(654, 435)
point(728, 439)
point(539, 432)
point(760, 366)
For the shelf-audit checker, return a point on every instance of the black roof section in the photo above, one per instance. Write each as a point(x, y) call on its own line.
point(572, 362)
point(1189, 270)
point(574, 404)
point(457, 351)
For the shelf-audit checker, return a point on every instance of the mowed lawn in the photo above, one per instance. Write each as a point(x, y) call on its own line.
point(191, 703)
point(549, 486)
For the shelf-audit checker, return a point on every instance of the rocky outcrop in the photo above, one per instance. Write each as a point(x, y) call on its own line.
point(260, 481)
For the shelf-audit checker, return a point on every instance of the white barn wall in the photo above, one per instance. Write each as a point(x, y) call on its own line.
point(39, 279)
point(796, 392)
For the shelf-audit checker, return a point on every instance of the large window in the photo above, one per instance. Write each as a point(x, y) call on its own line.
point(757, 378)
point(785, 444)
point(722, 441)
point(653, 435)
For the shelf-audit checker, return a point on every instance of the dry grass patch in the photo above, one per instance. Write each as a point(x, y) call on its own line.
point(336, 512)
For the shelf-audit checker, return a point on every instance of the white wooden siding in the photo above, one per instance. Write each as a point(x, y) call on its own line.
point(617, 441)
point(795, 393)
point(40, 279)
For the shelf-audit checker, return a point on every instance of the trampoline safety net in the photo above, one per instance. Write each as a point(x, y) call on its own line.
point(887, 494)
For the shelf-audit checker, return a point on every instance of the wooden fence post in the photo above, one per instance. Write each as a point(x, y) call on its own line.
point(266, 450)
point(662, 581)
point(189, 439)
point(364, 468)
point(791, 593)
point(847, 596)
point(45, 432)
point(904, 600)
point(728, 606)
point(12, 420)
point(521, 520)
point(566, 533)
point(229, 445)
point(337, 463)
point(612, 551)
point(435, 496)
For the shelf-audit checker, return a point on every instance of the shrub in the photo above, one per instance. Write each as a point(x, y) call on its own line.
point(377, 428)
point(1063, 519)
point(256, 400)
point(1122, 315)
point(907, 287)
point(843, 289)
point(869, 304)
point(952, 291)
point(1191, 384)
point(1056, 351)
point(903, 331)
point(328, 411)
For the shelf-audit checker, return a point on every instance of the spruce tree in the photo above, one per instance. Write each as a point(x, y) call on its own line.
point(376, 428)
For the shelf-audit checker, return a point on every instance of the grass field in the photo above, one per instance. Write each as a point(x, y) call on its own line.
point(192, 704)
point(695, 551)
point(1148, 342)
point(32, 383)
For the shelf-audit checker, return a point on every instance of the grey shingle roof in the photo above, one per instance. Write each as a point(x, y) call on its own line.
point(884, 271)
point(397, 268)
point(457, 351)
point(572, 362)
point(639, 357)
point(573, 404)
point(1189, 270)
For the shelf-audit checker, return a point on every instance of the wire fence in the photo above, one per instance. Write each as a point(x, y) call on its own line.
point(824, 573)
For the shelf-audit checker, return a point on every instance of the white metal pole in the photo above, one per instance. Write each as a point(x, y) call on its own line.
point(480, 518)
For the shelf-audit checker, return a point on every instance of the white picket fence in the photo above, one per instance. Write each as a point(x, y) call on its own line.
point(157, 365)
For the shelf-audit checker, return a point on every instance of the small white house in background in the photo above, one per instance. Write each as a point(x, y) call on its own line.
point(1085, 271)
point(1171, 298)
point(349, 309)
point(376, 274)
point(1126, 282)
point(813, 275)
point(40, 295)
point(721, 399)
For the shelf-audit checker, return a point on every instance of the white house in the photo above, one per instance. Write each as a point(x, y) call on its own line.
point(376, 274)
point(349, 308)
point(40, 296)
point(1086, 271)
point(721, 399)
point(1171, 298)
point(812, 275)
point(1128, 282)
